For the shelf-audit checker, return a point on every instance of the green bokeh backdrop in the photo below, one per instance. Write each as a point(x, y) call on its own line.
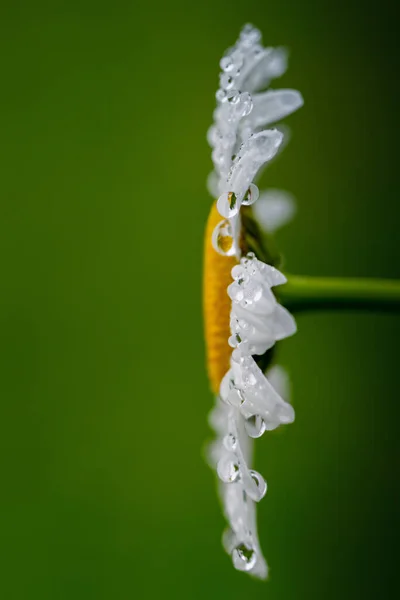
point(104, 109)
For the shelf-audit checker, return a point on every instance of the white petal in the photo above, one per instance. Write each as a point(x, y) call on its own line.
point(272, 64)
point(272, 106)
point(259, 149)
point(273, 276)
point(284, 323)
point(212, 184)
point(279, 379)
point(273, 209)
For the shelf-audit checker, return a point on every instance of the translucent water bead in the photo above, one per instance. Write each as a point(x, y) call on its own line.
point(261, 484)
point(246, 104)
point(244, 558)
point(228, 469)
point(232, 466)
point(232, 62)
point(230, 442)
point(255, 426)
point(227, 64)
point(227, 205)
point(233, 96)
point(226, 81)
point(220, 95)
point(240, 538)
point(222, 239)
point(251, 195)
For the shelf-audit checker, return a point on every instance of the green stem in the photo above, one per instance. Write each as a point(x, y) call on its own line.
point(317, 293)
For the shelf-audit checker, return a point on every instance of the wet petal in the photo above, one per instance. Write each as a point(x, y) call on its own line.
point(272, 106)
point(273, 209)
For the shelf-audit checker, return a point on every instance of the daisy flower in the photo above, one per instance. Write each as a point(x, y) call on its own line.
point(243, 318)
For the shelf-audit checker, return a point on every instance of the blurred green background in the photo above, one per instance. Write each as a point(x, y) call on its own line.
point(104, 397)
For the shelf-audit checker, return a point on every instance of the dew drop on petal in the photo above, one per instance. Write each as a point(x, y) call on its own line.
point(221, 96)
point(226, 81)
point(235, 397)
point(234, 340)
point(227, 64)
point(246, 104)
point(260, 483)
point(233, 96)
point(230, 442)
point(228, 470)
point(249, 378)
point(251, 195)
point(238, 272)
point(227, 205)
point(255, 426)
point(222, 239)
point(244, 558)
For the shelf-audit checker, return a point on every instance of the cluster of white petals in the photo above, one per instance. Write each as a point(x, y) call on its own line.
point(241, 144)
point(248, 404)
point(231, 453)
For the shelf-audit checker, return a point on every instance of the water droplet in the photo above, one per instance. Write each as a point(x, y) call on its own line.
point(260, 483)
point(244, 558)
point(230, 442)
point(227, 205)
point(237, 272)
point(235, 398)
point(222, 239)
point(227, 64)
point(251, 195)
point(249, 378)
point(237, 61)
point(246, 104)
point(221, 95)
point(235, 339)
point(226, 81)
point(255, 426)
point(228, 470)
point(233, 96)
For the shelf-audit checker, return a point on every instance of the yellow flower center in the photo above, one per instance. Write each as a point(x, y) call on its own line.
point(217, 305)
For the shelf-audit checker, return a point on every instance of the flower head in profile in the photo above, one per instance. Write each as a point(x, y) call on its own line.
point(243, 318)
